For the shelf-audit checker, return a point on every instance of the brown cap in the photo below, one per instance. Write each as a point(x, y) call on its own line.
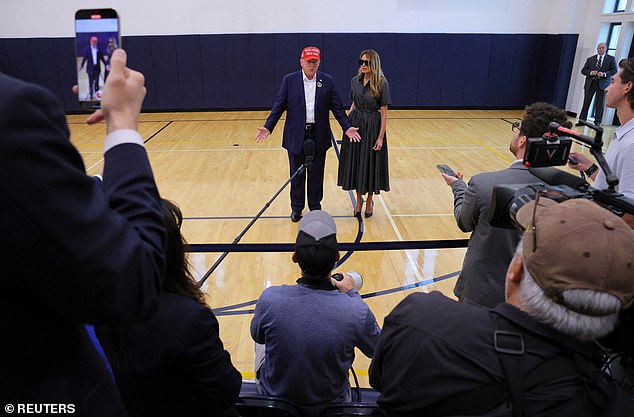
point(578, 244)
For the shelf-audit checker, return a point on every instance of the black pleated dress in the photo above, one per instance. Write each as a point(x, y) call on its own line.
point(361, 168)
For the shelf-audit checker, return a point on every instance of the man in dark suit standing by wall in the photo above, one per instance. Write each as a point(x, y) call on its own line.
point(307, 96)
point(598, 70)
point(93, 57)
point(72, 252)
point(491, 249)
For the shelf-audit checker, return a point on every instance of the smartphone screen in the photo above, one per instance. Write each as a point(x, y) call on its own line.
point(96, 37)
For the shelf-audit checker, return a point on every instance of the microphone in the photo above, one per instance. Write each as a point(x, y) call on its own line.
point(309, 152)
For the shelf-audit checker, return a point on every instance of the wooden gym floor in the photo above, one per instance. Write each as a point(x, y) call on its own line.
point(210, 165)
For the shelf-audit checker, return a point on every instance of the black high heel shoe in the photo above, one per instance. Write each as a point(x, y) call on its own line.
point(369, 213)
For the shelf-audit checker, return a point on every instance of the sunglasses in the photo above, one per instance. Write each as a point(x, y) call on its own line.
point(364, 62)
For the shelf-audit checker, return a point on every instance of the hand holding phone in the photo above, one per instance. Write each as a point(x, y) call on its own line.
point(96, 38)
point(446, 170)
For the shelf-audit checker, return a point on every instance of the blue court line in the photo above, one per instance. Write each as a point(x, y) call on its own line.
point(231, 310)
point(353, 201)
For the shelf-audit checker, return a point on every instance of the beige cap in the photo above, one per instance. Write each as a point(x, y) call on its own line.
point(577, 244)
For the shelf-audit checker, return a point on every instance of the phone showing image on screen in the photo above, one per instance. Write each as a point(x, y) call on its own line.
point(96, 37)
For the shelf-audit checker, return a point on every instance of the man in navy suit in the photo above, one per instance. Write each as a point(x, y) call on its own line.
point(307, 96)
point(93, 58)
point(598, 70)
point(72, 252)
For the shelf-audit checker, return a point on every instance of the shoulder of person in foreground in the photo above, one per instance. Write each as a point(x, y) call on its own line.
point(208, 364)
point(107, 264)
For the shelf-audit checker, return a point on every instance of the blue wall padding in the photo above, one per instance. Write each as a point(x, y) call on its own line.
point(244, 71)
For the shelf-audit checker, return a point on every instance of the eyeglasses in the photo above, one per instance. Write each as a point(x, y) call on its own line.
point(558, 196)
point(364, 62)
point(516, 127)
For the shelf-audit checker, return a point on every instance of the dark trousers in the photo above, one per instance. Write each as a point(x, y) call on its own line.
point(93, 79)
point(315, 178)
point(598, 102)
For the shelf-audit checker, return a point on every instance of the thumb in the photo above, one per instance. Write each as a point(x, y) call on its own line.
point(118, 61)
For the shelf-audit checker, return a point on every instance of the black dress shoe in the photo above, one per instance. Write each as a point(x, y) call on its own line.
point(296, 215)
point(579, 124)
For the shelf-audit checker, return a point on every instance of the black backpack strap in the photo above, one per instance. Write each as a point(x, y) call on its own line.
point(509, 344)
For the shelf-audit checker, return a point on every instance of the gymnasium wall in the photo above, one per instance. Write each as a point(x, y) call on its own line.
point(243, 71)
point(199, 54)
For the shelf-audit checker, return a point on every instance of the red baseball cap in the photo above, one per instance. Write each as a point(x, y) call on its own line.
point(311, 52)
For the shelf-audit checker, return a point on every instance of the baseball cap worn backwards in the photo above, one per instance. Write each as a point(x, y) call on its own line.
point(317, 228)
point(577, 244)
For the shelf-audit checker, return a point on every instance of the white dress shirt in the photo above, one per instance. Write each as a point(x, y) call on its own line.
point(310, 87)
point(94, 55)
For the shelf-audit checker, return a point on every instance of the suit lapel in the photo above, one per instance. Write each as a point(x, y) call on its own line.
point(301, 92)
point(317, 88)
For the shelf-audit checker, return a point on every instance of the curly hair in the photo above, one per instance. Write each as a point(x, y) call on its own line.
point(538, 116)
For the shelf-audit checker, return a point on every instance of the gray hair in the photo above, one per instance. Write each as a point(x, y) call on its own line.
point(561, 316)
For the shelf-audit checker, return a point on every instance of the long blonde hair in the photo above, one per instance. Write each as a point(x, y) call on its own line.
point(376, 76)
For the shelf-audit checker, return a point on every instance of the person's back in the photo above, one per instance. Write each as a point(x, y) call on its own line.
point(423, 367)
point(534, 355)
point(162, 376)
point(490, 248)
point(173, 364)
point(305, 334)
point(310, 339)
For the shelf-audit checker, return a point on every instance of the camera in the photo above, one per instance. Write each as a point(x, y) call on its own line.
point(540, 156)
point(559, 186)
point(358, 279)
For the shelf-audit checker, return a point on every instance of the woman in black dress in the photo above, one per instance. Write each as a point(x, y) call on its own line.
point(363, 165)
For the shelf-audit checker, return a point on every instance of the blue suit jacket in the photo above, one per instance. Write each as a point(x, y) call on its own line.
point(292, 99)
point(71, 253)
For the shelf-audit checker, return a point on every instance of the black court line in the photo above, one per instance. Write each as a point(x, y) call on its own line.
point(511, 120)
point(352, 246)
point(232, 309)
point(260, 119)
point(157, 132)
point(243, 217)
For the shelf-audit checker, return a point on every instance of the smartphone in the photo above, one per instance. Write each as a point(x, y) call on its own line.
point(446, 170)
point(572, 160)
point(96, 37)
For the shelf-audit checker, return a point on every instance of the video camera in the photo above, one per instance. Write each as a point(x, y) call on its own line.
point(541, 155)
